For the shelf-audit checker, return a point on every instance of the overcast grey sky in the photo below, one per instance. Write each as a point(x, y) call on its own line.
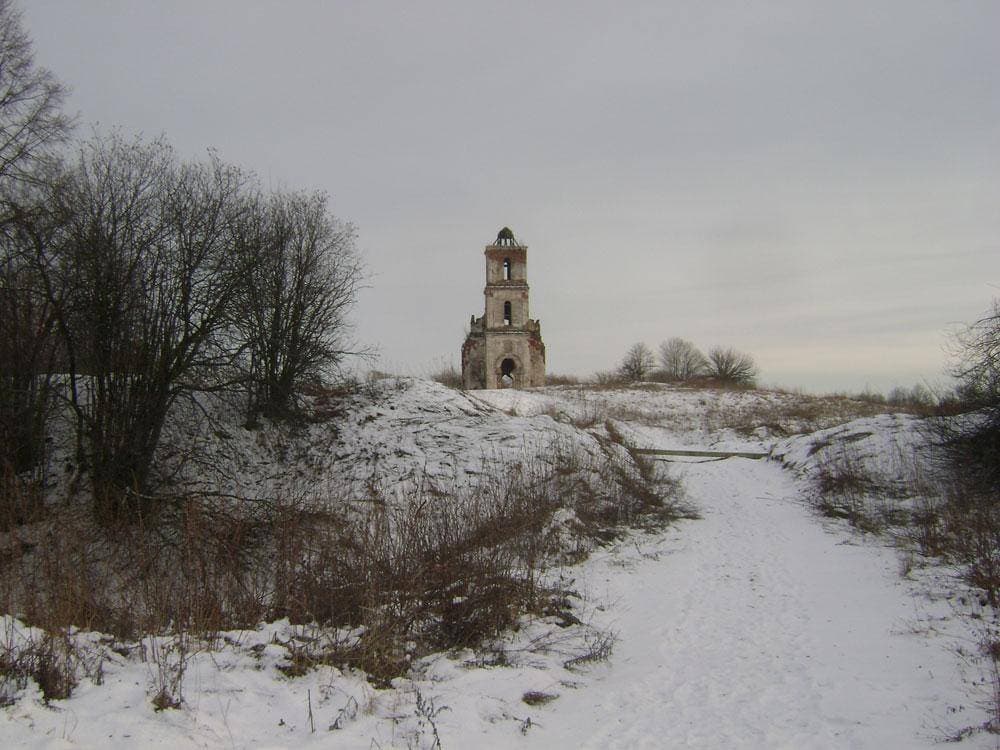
point(816, 183)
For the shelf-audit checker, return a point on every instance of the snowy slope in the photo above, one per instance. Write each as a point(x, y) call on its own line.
point(759, 625)
point(394, 432)
point(883, 444)
point(660, 415)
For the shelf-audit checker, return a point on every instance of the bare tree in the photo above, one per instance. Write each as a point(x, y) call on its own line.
point(681, 360)
point(977, 360)
point(731, 366)
point(31, 99)
point(293, 309)
point(973, 446)
point(144, 254)
point(31, 125)
point(27, 343)
point(637, 364)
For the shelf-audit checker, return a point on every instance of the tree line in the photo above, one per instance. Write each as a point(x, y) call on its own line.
point(680, 361)
point(131, 278)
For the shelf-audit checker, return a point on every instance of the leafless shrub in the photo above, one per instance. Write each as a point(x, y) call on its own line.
point(918, 397)
point(730, 366)
point(976, 351)
point(989, 647)
point(972, 448)
point(637, 364)
point(607, 379)
point(168, 658)
point(21, 499)
point(447, 374)
point(49, 660)
point(561, 379)
point(427, 712)
point(582, 415)
point(680, 361)
point(971, 535)
point(845, 491)
point(929, 532)
point(598, 648)
point(639, 494)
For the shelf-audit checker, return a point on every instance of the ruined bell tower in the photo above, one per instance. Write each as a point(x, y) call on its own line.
point(504, 348)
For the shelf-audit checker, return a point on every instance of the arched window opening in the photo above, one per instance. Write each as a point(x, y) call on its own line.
point(506, 269)
point(506, 313)
point(507, 368)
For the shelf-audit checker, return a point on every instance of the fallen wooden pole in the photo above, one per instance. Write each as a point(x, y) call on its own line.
point(699, 454)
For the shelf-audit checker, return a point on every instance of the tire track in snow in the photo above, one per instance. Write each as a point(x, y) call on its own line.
point(757, 627)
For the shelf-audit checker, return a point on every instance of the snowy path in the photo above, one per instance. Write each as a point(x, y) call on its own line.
point(757, 627)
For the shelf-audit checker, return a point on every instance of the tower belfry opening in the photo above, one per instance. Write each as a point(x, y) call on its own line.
point(504, 347)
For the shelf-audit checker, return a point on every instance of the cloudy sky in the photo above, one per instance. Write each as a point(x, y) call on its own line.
point(814, 182)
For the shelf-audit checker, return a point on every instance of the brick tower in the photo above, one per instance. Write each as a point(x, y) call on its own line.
point(504, 348)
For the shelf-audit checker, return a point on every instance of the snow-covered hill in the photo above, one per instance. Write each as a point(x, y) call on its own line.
point(760, 624)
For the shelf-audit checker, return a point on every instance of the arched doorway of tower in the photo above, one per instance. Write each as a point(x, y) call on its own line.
point(507, 369)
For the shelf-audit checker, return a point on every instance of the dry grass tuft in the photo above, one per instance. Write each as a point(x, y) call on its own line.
point(561, 379)
point(50, 661)
point(448, 375)
point(538, 698)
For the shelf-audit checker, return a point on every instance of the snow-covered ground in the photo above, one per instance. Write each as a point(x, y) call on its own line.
point(758, 625)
